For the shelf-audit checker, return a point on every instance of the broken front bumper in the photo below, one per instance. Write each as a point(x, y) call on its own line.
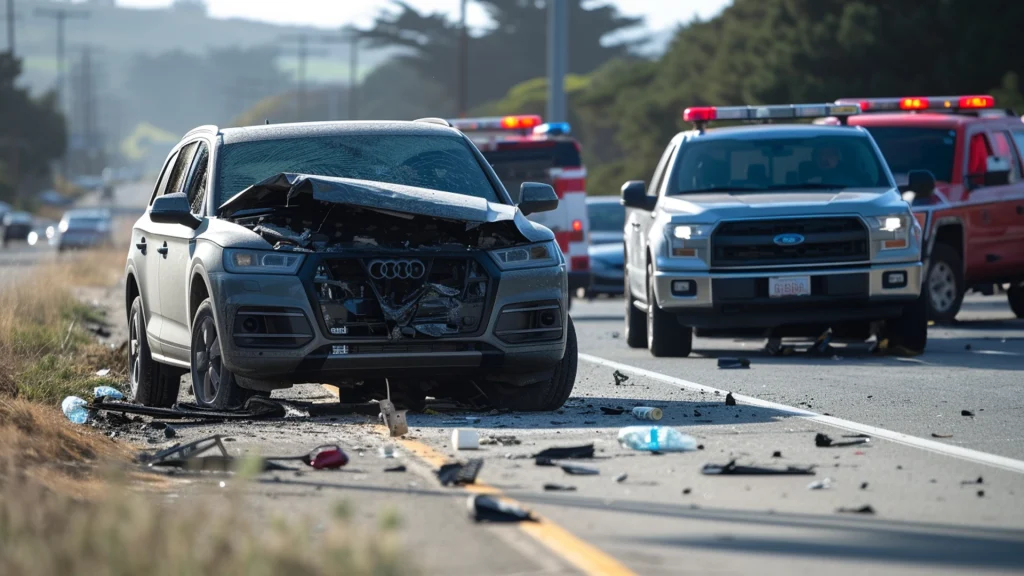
point(740, 299)
point(302, 349)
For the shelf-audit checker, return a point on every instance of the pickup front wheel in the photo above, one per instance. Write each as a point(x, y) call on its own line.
point(666, 337)
point(945, 283)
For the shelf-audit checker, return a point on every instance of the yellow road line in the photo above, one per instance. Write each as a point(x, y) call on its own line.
point(586, 558)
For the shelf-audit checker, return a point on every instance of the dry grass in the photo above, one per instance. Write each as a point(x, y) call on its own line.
point(99, 268)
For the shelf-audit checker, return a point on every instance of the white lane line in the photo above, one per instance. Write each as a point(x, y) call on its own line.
point(898, 437)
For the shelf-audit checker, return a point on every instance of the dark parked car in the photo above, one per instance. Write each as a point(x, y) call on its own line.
point(607, 251)
point(14, 227)
point(84, 228)
point(345, 253)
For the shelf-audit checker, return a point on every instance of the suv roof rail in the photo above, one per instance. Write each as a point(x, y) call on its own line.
point(205, 128)
point(432, 120)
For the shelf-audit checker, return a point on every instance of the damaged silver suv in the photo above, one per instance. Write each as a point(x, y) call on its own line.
point(345, 254)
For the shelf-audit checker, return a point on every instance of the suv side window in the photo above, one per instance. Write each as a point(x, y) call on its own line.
point(200, 177)
point(659, 172)
point(1004, 149)
point(180, 172)
point(161, 185)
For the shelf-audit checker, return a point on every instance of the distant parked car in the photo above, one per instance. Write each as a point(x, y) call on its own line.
point(54, 198)
point(15, 226)
point(607, 251)
point(44, 232)
point(83, 228)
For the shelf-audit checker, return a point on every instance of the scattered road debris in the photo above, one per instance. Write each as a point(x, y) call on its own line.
point(507, 440)
point(326, 457)
point(107, 392)
point(619, 377)
point(612, 411)
point(824, 441)
point(465, 439)
point(399, 468)
point(823, 484)
point(777, 454)
point(774, 347)
point(75, 409)
point(981, 493)
point(170, 432)
point(863, 485)
point(732, 469)
point(256, 407)
point(655, 439)
point(458, 473)
point(574, 470)
point(566, 453)
point(733, 363)
point(865, 509)
point(980, 480)
point(730, 400)
point(486, 508)
point(822, 345)
point(686, 491)
point(103, 372)
point(967, 413)
point(393, 418)
point(551, 487)
point(647, 413)
point(621, 478)
point(191, 457)
point(937, 435)
point(387, 451)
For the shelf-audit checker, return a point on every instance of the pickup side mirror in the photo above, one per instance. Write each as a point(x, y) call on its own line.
point(536, 197)
point(921, 183)
point(634, 195)
point(173, 209)
point(997, 173)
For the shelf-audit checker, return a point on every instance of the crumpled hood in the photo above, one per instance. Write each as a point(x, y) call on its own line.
point(723, 205)
point(282, 189)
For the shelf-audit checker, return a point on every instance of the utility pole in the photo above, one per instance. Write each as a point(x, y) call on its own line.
point(463, 73)
point(10, 27)
point(354, 36)
point(304, 53)
point(558, 59)
point(60, 15)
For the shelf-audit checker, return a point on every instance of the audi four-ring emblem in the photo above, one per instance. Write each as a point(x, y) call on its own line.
point(397, 269)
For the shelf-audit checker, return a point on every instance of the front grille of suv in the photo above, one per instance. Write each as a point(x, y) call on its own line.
point(751, 243)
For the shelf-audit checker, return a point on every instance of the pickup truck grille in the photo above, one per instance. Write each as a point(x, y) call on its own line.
point(748, 243)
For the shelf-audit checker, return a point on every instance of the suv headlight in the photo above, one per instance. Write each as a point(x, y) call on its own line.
point(261, 262)
point(530, 256)
point(894, 231)
point(684, 239)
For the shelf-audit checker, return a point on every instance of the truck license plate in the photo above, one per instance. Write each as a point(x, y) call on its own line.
point(789, 286)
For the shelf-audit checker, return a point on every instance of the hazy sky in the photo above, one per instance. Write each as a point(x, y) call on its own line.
point(334, 13)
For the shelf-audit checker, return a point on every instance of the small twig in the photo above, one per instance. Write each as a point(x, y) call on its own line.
point(68, 337)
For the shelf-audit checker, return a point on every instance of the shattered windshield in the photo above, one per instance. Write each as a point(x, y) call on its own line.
point(443, 163)
point(777, 164)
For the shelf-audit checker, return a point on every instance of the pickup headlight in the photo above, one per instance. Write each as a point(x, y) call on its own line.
point(531, 256)
point(685, 238)
point(894, 231)
point(261, 262)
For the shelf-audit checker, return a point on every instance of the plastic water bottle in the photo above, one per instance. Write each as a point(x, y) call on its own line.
point(656, 439)
point(647, 413)
point(75, 409)
point(108, 392)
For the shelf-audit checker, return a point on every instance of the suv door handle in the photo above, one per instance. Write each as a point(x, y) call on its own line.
point(636, 225)
point(141, 245)
point(163, 249)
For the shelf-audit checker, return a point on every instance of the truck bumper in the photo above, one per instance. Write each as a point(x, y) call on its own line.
point(740, 299)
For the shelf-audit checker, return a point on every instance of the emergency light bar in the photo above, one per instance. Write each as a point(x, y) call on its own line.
point(913, 103)
point(701, 115)
point(521, 123)
point(552, 129)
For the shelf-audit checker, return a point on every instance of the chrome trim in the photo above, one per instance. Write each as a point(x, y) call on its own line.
point(531, 309)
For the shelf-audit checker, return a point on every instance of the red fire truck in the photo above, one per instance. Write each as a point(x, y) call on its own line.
point(974, 220)
point(525, 149)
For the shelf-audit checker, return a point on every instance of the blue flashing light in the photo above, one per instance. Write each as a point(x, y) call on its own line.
point(552, 129)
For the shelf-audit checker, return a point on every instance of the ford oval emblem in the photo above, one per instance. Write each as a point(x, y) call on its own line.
point(789, 239)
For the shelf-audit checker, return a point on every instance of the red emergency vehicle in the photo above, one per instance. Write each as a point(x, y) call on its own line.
point(974, 220)
point(525, 149)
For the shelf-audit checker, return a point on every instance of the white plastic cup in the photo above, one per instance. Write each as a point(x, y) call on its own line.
point(647, 413)
point(465, 439)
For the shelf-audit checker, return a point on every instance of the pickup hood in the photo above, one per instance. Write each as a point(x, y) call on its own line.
point(720, 206)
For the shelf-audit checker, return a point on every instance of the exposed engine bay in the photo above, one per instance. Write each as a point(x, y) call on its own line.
point(393, 262)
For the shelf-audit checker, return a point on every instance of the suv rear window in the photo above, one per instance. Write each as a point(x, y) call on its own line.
point(911, 148)
point(435, 162)
point(518, 162)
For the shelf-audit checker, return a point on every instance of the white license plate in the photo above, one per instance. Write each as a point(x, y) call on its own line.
point(789, 286)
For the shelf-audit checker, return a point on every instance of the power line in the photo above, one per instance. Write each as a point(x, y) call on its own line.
point(60, 16)
point(463, 72)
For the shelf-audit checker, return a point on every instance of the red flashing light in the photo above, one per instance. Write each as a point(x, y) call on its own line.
point(520, 122)
point(913, 103)
point(977, 102)
point(700, 114)
point(865, 105)
point(577, 225)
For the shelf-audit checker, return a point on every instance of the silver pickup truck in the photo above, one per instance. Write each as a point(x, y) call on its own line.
point(773, 230)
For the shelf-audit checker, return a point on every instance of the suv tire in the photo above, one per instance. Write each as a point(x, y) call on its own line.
point(636, 321)
point(152, 384)
point(544, 396)
point(213, 384)
point(944, 283)
point(666, 337)
point(908, 334)
point(1015, 296)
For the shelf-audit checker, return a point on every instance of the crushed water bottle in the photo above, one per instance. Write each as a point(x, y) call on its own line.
point(656, 439)
point(75, 409)
point(108, 392)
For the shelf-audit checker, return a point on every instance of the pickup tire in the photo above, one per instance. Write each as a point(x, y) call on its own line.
point(213, 384)
point(547, 395)
point(908, 334)
point(636, 320)
point(1015, 296)
point(151, 383)
point(944, 283)
point(666, 337)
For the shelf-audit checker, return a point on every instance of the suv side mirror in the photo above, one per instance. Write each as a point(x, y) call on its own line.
point(921, 183)
point(634, 195)
point(173, 209)
point(536, 197)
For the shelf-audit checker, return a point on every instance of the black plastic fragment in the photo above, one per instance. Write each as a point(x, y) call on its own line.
point(966, 413)
point(619, 377)
point(551, 487)
point(865, 509)
point(733, 363)
point(485, 508)
point(612, 411)
point(824, 441)
point(458, 473)
point(564, 453)
point(399, 468)
point(731, 469)
point(579, 470)
point(729, 400)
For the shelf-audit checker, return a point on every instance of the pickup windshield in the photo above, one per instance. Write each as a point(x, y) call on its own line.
point(777, 164)
point(908, 148)
point(444, 163)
